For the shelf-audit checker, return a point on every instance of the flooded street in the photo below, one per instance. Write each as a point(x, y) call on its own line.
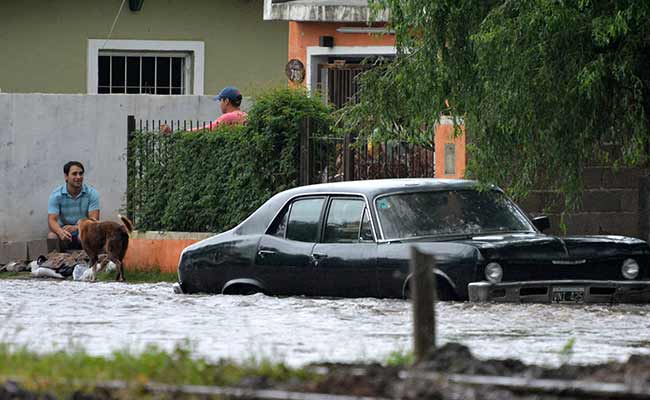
point(102, 317)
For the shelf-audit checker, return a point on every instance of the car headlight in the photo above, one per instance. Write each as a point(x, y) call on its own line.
point(493, 272)
point(630, 268)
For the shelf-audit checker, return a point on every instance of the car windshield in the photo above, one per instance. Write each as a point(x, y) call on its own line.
point(449, 212)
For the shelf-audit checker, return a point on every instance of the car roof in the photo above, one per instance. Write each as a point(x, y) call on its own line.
point(261, 218)
point(374, 187)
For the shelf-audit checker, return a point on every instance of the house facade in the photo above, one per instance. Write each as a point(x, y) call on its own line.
point(164, 47)
point(328, 41)
point(69, 72)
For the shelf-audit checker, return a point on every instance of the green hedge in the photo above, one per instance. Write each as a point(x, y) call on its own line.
point(210, 181)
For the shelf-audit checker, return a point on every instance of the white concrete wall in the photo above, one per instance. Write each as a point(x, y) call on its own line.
point(41, 132)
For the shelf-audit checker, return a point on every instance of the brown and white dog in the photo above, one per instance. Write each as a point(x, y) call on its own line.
point(107, 237)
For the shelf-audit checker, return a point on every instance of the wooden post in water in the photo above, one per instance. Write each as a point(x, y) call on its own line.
point(423, 294)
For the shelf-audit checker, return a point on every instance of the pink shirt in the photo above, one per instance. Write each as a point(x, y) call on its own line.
point(232, 118)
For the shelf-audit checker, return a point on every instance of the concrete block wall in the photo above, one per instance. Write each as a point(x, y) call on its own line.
point(41, 132)
point(614, 202)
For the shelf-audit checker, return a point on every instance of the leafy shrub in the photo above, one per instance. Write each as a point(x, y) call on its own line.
point(208, 181)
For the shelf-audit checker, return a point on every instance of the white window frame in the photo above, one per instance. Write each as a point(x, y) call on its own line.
point(318, 55)
point(196, 49)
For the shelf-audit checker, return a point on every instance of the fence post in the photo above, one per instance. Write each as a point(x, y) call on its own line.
point(348, 158)
point(130, 130)
point(422, 285)
point(305, 154)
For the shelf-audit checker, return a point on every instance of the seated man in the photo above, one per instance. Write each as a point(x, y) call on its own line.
point(68, 204)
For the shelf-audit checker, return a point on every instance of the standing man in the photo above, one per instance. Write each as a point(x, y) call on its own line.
point(229, 102)
point(68, 204)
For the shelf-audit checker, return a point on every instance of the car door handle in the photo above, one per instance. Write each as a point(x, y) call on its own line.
point(264, 253)
point(318, 257)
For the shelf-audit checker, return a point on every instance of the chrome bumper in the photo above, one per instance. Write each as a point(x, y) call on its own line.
point(564, 291)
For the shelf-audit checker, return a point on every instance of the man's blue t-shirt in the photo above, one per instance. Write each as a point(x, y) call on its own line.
point(70, 210)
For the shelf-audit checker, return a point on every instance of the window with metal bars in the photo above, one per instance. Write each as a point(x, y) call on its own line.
point(143, 73)
point(338, 79)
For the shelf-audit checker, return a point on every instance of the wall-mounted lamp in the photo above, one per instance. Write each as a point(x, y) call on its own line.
point(135, 5)
point(326, 41)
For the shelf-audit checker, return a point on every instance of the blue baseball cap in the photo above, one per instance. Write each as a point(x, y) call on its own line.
point(230, 93)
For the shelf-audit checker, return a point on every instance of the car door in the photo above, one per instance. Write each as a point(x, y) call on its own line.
point(284, 254)
point(345, 258)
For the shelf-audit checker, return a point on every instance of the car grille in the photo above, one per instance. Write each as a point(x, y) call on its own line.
point(591, 269)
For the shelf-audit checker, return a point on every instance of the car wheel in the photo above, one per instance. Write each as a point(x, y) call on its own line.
point(242, 289)
point(444, 291)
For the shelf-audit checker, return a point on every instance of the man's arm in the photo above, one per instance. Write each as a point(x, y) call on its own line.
point(53, 224)
point(93, 204)
point(53, 218)
point(208, 126)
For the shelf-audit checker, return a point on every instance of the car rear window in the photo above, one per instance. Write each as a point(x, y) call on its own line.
point(304, 219)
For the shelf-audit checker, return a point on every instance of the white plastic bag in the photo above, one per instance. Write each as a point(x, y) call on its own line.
point(46, 273)
point(111, 267)
point(88, 275)
point(82, 272)
point(78, 271)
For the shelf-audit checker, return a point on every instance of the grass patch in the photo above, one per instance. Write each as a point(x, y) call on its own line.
point(137, 275)
point(14, 275)
point(141, 275)
point(400, 358)
point(63, 373)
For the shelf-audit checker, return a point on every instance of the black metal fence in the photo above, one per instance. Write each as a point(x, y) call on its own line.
point(322, 159)
point(148, 159)
point(335, 158)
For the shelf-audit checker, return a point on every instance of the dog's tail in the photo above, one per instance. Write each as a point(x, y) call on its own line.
point(127, 223)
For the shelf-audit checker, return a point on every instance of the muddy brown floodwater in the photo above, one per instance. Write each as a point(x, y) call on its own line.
point(102, 317)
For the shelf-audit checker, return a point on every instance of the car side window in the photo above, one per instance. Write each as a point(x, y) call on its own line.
point(279, 227)
point(304, 219)
point(365, 233)
point(344, 221)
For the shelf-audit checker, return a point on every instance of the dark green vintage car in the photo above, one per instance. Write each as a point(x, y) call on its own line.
point(353, 239)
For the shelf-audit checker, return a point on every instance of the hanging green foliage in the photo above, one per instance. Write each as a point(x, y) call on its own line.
point(543, 87)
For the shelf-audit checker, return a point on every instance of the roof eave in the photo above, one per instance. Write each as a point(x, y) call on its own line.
point(289, 11)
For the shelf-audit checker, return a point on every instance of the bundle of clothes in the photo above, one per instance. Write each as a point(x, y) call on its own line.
point(58, 265)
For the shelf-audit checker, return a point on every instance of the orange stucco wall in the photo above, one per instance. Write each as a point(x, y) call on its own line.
point(158, 249)
point(305, 34)
point(445, 135)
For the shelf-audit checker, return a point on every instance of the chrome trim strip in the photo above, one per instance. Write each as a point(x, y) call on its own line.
point(569, 262)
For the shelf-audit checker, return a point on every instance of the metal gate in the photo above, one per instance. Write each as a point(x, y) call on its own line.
point(335, 158)
point(338, 82)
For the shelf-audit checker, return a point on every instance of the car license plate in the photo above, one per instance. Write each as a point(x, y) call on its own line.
point(568, 294)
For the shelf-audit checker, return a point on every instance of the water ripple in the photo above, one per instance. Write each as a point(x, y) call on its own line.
point(103, 317)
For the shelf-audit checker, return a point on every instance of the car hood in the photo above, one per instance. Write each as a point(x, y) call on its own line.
point(540, 247)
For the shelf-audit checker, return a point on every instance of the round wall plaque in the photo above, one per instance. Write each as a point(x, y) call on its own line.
point(295, 71)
